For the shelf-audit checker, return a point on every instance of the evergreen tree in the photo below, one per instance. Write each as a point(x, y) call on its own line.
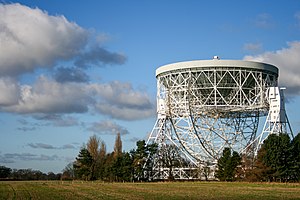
point(235, 162)
point(122, 167)
point(143, 160)
point(108, 169)
point(277, 156)
point(83, 164)
point(295, 161)
point(139, 159)
point(223, 163)
point(227, 165)
point(151, 156)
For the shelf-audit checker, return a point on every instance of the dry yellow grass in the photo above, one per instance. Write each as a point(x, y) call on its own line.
point(134, 191)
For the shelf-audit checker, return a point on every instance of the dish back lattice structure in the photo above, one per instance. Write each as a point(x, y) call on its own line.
point(204, 106)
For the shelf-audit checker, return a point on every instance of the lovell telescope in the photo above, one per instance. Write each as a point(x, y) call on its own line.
point(204, 106)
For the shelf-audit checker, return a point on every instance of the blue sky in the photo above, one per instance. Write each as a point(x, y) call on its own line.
point(71, 69)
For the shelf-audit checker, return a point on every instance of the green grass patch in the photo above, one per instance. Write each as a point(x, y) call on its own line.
point(133, 191)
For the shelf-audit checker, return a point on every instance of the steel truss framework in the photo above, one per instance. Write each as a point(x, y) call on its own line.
point(201, 110)
point(276, 121)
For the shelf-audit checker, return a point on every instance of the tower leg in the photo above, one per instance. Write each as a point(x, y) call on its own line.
point(171, 159)
point(276, 122)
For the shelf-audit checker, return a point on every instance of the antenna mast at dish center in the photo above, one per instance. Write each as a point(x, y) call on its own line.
point(204, 106)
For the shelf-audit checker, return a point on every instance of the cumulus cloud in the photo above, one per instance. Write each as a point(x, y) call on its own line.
point(50, 100)
point(98, 56)
point(30, 38)
point(64, 74)
point(107, 128)
point(57, 119)
point(66, 121)
point(48, 96)
point(288, 62)
point(120, 101)
point(124, 113)
point(9, 89)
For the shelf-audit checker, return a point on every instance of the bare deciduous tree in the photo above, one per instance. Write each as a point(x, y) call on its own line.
point(93, 146)
point(118, 146)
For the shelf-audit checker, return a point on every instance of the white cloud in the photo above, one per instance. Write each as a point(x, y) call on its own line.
point(288, 62)
point(48, 96)
point(107, 128)
point(122, 94)
point(98, 56)
point(30, 38)
point(57, 119)
point(121, 101)
point(63, 74)
point(123, 113)
point(9, 89)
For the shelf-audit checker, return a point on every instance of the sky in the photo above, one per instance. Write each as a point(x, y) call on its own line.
point(72, 69)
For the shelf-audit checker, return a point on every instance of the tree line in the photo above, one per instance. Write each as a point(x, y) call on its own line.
point(278, 160)
point(7, 173)
point(94, 163)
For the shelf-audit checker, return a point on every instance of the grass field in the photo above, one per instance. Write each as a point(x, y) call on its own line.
point(162, 190)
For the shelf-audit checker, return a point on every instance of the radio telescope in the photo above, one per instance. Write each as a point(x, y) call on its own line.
point(204, 106)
